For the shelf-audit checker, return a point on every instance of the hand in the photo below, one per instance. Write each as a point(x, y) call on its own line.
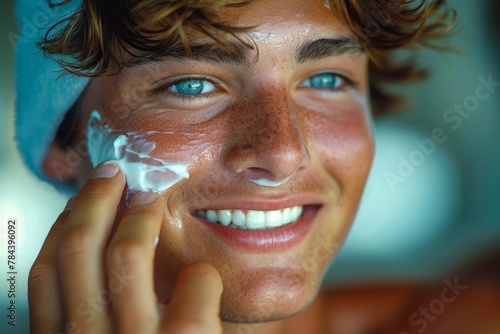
point(92, 278)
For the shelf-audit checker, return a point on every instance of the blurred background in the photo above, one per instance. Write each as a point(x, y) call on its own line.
point(429, 208)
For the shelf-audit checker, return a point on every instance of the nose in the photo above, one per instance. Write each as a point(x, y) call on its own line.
point(269, 146)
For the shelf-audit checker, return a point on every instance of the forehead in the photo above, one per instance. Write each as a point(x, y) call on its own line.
point(288, 17)
point(299, 29)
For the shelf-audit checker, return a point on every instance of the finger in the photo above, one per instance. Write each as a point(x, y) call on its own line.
point(130, 265)
point(196, 300)
point(80, 253)
point(46, 312)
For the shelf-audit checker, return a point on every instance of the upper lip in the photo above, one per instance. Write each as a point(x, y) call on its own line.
point(261, 203)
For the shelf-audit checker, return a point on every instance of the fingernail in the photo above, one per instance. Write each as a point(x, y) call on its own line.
point(144, 198)
point(105, 170)
point(70, 203)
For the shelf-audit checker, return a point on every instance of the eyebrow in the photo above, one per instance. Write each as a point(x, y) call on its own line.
point(327, 47)
point(239, 53)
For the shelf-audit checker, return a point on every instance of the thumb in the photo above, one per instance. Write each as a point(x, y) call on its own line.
point(196, 298)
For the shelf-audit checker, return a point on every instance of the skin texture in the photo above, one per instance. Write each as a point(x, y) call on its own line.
point(259, 122)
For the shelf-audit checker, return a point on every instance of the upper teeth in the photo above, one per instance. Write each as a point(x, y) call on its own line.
point(253, 219)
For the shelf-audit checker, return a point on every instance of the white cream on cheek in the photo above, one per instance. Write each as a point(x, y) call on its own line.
point(132, 153)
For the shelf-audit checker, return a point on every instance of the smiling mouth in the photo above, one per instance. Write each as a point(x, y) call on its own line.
point(252, 219)
point(260, 231)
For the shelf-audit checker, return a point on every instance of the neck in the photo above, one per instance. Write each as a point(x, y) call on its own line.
point(308, 321)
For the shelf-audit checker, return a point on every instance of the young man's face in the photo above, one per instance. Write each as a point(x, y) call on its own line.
point(294, 111)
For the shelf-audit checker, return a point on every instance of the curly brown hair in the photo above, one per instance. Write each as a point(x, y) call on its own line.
point(103, 36)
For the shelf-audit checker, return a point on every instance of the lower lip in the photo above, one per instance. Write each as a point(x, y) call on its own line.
point(271, 240)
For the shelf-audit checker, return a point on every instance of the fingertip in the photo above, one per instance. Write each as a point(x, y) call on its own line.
point(103, 184)
point(198, 292)
point(70, 203)
point(106, 169)
point(143, 198)
point(206, 271)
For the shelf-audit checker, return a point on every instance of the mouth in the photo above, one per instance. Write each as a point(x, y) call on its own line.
point(256, 231)
point(252, 219)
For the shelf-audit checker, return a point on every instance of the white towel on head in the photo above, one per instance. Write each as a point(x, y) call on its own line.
point(43, 95)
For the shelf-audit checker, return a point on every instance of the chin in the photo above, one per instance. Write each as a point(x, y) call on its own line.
point(245, 311)
point(278, 295)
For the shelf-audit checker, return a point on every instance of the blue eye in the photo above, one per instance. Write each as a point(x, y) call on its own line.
point(324, 81)
point(192, 87)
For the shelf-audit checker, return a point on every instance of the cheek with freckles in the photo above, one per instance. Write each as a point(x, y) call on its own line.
point(344, 141)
